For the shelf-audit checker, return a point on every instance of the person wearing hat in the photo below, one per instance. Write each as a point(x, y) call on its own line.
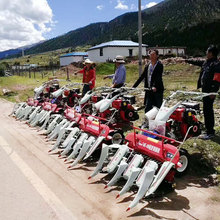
point(118, 79)
point(209, 81)
point(152, 76)
point(89, 76)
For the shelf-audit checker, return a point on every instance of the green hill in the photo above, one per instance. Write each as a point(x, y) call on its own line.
point(191, 23)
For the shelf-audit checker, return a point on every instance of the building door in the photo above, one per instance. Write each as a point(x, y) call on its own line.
point(130, 52)
point(101, 52)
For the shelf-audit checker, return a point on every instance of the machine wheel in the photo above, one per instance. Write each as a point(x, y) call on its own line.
point(196, 131)
point(184, 160)
point(117, 137)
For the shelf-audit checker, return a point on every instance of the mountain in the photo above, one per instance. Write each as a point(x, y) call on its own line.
point(9, 53)
point(17, 51)
point(191, 23)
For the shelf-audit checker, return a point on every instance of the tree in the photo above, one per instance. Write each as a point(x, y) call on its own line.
point(2, 69)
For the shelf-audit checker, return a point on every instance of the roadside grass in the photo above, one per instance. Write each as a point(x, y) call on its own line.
point(215, 198)
point(205, 154)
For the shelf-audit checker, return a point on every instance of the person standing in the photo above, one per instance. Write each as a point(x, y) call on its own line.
point(152, 76)
point(209, 81)
point(118, 79)
point(89, 76)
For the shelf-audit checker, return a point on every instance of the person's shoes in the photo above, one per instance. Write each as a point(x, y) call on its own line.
point(206, 136)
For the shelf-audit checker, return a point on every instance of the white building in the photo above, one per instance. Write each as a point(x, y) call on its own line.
point(109, 50)
point(74, 57)
point(178, 51)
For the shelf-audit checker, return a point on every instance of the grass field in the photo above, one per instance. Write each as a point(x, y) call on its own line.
point(176, 77)
point(179, 76)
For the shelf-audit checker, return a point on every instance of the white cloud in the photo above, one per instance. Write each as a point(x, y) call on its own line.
point(149, 5)
point(133, 7)
point(23, 22)
point(99, 7)
point(121, 5)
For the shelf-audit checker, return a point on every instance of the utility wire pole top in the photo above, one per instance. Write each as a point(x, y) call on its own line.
point(140, 36)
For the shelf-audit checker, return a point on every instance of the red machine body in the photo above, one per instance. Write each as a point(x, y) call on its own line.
point(48, 106)
point(96, 98)
point(117, 104)
point(72, 115)
point(178, 114)
point(121, 109)
point(31, 101)
point(180, 121)
point(154, 148)
point(37, 103)
point(94, 127)
point(151, 147)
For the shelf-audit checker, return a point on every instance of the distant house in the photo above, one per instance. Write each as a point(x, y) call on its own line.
point(33, 65)
point(109, 50)
point(24, 67)
point(178, 51)
point(74, 57)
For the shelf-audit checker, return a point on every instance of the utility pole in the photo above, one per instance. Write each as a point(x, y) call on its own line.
point(67, 74)
point(51, 63)
point(140, 37)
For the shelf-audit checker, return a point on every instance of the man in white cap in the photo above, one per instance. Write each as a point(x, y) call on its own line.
point(118, 79)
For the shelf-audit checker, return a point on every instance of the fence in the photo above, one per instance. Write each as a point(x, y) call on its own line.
point(32, 72)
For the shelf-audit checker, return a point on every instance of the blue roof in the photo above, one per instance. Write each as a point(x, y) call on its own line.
point(75, 54)
point(117, 43)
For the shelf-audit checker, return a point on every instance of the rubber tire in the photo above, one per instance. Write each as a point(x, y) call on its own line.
point(118, 132)
point(184, 156)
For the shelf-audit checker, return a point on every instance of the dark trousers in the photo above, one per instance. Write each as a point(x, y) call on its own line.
point(119, 85)
point(152, 99)
point(209, 114)
point(86, 88)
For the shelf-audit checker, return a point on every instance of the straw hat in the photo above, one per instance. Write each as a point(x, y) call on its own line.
point(119, 59)
point(88, 61)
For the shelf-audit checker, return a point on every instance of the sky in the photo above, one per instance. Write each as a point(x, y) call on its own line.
point(24, 22)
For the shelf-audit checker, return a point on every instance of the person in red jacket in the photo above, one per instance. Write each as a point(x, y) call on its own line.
point(89, 76)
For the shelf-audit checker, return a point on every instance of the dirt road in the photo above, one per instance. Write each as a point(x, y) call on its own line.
point(35, 185)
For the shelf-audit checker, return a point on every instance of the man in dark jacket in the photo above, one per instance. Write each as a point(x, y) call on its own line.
point(152, 77)
point(210, 68)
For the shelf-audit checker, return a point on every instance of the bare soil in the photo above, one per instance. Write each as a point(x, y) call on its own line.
point(87, 199)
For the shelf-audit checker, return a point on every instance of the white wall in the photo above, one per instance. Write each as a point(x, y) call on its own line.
point(165, 51)
point(178, 51)
point(181, 52)
point(64, 61)
point(109, 53)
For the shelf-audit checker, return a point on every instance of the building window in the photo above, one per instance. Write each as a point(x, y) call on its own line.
point(101, 52)
point(130, 52)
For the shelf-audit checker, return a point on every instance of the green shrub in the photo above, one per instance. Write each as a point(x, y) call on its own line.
point(2, 69)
